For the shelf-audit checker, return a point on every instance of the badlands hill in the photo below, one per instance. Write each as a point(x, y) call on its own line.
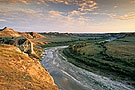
point(26, 41)
point(8, 32)
point(20, 68)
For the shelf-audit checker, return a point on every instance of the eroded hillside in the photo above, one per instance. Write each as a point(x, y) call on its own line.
point(20, 68)
point(19, 71)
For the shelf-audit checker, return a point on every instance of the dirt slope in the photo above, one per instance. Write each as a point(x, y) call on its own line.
point(19, 72)
point(6, 32)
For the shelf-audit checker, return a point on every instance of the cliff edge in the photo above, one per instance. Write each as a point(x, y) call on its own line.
point(20, 68)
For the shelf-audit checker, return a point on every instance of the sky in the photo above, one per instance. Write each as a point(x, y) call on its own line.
point(75, 16)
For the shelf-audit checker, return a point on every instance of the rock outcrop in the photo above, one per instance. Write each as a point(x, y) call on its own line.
point(8, 32)
point(24, 44)
point(20, 68)
point(19, 39)
point(19, 72)
point(36, 35)
point(31, 35)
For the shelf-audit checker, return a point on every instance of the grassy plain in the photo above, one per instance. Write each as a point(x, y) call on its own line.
point(115, 59)
point(123, 49)
point(67, 40)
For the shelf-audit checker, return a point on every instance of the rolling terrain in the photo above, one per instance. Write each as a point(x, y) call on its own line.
point(70, 77)
point(20, 68)
point(113, 58)
point(75, 61)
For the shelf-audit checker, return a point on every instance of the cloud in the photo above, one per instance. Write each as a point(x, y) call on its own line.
point(114, 16)
point(28, 11)
point(87, 5)
point(21, 15)
point(24, 1)
point(59, 17)
point(41, 2)
point(55, 13)
point(20, 11)
point(76, 13)
point(83, 4)
point(129, 16)
point(25, 17)
point(111, 15)
point(15, 1)
point(35, 1)
point(3, 20)
point(115, 7)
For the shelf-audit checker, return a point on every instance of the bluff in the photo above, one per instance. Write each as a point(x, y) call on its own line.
point(24, 44)
point(20, 72)
point(20, 68)
point(6, 32)
point(22, 40)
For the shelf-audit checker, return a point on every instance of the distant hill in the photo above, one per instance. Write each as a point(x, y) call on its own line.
point(56, 34)
point(8, 32)
point(31, 35)
point(25, 41)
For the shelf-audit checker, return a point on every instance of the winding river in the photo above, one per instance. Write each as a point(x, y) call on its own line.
point(69, 77)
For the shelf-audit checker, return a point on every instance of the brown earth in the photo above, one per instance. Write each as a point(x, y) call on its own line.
point(20, 70)
point(27, 41)
point(8, 32)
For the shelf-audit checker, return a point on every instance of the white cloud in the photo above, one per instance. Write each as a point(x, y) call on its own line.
point(87, 5)
point(115, 7)
point(128, 16)
point(3, 20)
point(55, 13)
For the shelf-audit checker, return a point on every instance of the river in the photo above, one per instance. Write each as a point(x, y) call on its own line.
point(69, 77)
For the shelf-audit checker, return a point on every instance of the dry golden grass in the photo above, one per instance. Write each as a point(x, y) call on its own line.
point(19, 72)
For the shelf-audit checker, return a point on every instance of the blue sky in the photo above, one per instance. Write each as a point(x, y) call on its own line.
point(91, 16)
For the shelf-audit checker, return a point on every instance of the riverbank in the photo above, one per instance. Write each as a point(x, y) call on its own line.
point(68, 76)
point(19, 71)
point(101, 63)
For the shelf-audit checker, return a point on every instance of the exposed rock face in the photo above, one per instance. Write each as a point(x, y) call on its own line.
point(8, 32)
point(21, 40)
point(19, 72)
point(36, 35)
point(31, 35)
point(24, 44)
point(20, 68)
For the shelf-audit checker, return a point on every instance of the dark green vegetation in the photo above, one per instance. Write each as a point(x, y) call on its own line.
point(115, 59)
point(111, 55)
point(57, 39)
